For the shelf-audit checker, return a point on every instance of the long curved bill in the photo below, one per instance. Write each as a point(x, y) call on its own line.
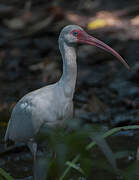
point(87, 39)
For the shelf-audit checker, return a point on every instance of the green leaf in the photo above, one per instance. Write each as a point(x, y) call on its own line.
point(113, 131)
point(74, 166)
point(105, 148)
point(1, 178)
point(5, 174)
point(90, 145)
point(69, 167)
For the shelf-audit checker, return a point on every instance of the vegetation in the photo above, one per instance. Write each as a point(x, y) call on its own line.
point(75, 146)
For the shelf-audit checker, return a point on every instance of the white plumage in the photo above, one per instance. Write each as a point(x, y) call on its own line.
point(52, 105)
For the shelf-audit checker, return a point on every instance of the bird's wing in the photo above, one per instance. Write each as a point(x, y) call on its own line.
point(20, 126)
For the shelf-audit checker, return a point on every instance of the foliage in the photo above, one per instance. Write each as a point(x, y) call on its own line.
point(73, 143)
point(5, 175)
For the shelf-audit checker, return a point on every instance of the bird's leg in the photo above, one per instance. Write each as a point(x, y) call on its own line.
point(33, 148)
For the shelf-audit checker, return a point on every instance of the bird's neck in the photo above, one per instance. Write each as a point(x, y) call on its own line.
point(68, 78)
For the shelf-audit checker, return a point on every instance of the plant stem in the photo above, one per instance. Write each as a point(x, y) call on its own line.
point(92, 144)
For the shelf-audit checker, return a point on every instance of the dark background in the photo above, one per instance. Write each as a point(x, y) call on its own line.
point(106, 92)
point(30, 58)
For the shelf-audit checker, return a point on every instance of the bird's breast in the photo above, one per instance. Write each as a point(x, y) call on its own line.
point(52, 110)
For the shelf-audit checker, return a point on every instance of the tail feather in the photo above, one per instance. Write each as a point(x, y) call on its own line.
point(7, 137)
point(8, 141)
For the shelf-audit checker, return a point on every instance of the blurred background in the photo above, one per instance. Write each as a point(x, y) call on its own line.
point(106, 92)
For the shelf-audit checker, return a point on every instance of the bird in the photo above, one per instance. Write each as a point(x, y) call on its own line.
point(52, 105)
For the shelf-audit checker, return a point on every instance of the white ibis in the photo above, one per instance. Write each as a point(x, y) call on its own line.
point(52, 105)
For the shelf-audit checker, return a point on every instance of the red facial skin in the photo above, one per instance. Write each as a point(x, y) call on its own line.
point(83, 37)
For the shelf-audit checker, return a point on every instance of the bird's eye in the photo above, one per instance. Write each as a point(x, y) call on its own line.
point(75, 33)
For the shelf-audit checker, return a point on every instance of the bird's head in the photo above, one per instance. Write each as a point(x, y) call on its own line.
point(73, 34)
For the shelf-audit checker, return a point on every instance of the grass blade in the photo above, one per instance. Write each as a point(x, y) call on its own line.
point(113, 131)
point(89, 146)
point(74, 166)
point(69, 167)
point(5, 174)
